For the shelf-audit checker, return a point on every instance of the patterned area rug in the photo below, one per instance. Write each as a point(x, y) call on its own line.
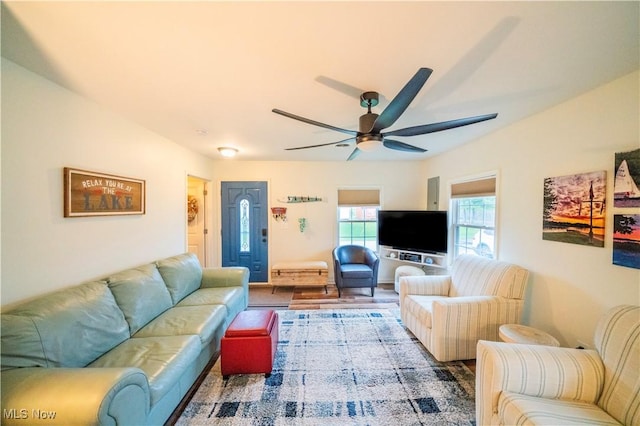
point(352, 367)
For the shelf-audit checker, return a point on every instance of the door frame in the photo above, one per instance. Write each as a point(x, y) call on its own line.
point(206, 210)
point(217, 235)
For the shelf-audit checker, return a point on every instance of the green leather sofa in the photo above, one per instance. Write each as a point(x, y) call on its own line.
point(119, 351)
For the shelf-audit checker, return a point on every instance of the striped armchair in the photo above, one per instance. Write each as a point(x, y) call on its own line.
point(542, 385)
point(449, 314)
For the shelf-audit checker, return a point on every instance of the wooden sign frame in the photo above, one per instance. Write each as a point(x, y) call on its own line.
point(99, 194)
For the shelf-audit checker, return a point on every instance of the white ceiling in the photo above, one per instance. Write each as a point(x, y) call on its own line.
point(207, 74)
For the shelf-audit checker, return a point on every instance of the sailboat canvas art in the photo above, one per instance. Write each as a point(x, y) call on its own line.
point(625, 188)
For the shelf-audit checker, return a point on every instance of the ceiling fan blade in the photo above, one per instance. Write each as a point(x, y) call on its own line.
point(315, 123)
point(354, 154)
point(399, 104)
point(345, 88)
point(401, 146)
point(438, 127)
point(322, 144)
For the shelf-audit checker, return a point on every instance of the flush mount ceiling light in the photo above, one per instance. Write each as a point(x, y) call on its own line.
point(228, 152)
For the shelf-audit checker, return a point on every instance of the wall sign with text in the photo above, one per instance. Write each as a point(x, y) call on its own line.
point(98, 194)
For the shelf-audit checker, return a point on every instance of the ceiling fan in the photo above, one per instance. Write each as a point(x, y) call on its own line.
point(370, 135)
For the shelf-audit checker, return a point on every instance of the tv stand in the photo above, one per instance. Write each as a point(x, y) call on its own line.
point(432, 260)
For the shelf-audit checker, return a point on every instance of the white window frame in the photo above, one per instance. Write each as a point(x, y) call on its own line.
point(453, 209)
point(371, 200)
point(364, 222)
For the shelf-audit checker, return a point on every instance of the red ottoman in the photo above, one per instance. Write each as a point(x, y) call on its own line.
point(249, 344)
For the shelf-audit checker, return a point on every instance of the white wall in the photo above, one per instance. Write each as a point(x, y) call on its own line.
point(570, 285)
point(402, 186)
point(45, 128)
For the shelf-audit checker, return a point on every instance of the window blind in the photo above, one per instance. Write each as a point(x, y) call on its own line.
point(358, 197)
point(474, 188)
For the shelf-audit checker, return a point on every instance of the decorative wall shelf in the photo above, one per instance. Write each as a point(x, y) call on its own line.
point(300, 199)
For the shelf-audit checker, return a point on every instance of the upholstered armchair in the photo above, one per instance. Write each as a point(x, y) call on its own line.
point(354, 267)
point(535, 385)
point(449, 314)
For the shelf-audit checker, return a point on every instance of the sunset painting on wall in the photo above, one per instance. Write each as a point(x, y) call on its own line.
point(626, 240)
point(574, 209)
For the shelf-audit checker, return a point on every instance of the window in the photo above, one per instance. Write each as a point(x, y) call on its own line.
point(358, 217)
point(473, 207)
point(244, 220)
point(358, 225)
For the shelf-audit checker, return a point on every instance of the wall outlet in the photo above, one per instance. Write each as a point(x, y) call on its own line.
point(583, 345)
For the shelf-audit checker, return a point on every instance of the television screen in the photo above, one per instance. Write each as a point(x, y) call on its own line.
point(415, 230)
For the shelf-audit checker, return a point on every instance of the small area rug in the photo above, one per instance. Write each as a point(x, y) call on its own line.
point(351, 367)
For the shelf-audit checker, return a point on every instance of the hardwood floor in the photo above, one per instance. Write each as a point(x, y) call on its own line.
point(358, 298)
point(316, 298)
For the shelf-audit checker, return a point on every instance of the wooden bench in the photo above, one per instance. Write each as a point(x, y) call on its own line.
point(309, 274)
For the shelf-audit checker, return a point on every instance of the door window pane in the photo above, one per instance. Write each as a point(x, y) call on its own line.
point(245, 241)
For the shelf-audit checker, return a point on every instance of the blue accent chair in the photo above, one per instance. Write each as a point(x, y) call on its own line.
point(355, 267)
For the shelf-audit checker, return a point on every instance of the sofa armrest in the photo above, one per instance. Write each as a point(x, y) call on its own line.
point(75, 396)
point(228, 276)
point(425, 285)
point(458, 323)
point(540, 371)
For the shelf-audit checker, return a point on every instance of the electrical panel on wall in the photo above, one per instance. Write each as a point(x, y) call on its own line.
point(433, 193)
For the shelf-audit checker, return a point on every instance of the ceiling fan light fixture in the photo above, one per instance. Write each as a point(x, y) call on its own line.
point(227, 152)
point(369, 146)
point(369, 142)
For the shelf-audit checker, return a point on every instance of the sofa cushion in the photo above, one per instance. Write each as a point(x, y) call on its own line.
point(479, 276)
point(141, 294)
point(186, 320)
point(163, 359)
point(213, 296)
point(21, 344)
point(68, 328)
point(355, 271)
point(234, 299)
point(518, 409)
point(421, 307)
point(182, 275)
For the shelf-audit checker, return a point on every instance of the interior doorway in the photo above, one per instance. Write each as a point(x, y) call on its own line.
point(197, 224)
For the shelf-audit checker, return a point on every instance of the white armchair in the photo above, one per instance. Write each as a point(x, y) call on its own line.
point(544, 385)
point(449, 314)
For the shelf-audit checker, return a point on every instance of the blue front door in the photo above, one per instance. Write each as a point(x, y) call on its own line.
point(244, 227)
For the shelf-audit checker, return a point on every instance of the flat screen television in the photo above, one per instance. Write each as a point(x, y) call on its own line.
point(413, 230)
